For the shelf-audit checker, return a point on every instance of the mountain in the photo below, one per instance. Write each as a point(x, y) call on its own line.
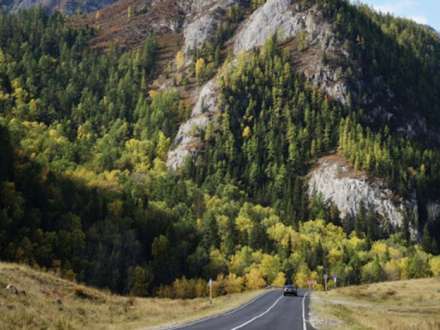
point(249, 141)
point(68, 7)
point(360, 68)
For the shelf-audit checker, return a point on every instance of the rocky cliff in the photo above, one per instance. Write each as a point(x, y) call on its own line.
point(291, 22)
point(336, 181)
point(203, 22)
point(68, 7)
point(317, 51)
point(188, 140)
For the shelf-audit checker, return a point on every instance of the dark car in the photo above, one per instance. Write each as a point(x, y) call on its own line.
point(290, 289)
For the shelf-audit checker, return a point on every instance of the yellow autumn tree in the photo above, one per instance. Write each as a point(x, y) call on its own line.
point(200, 288)
point(218, 286)
point(254, 279)
point(392, 270)
point(233, 283)
point(302, 276)
point(270, 267)
point(247, 133)
point(163, 146)
point(200, 69)
point(434, 263)
point(279, 280)
point(180, 60)
point(240, 260)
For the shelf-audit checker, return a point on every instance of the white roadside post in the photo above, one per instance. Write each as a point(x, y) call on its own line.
point(210, 290)
point(335, 278)
point(325, 281)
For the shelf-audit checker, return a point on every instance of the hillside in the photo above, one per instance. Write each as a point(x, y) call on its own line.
point(68, 7)
point(45, 301)
point(253, 142)
point(413, 304)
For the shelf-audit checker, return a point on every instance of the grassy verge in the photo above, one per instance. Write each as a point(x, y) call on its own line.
point(413, 304)
point(44, 301)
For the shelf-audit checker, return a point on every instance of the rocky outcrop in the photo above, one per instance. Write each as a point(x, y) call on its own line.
point(316, 52)
point(188, 140)
point(288, 20)
point(68, 7)
point(336, 181)
point(281, 16)
point(205, 20)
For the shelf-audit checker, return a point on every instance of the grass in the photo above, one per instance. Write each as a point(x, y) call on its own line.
point(412, 304)
point(45, 301)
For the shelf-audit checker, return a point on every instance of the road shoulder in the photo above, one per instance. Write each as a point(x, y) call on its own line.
point(223, 310)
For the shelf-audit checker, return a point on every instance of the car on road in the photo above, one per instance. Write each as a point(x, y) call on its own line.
point(290, 289)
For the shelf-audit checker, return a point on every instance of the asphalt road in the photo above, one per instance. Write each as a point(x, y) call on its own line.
point(270, 311)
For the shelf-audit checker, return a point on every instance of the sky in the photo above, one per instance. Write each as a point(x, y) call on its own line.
point(422, 11)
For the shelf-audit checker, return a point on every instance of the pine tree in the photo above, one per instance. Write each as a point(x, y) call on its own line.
point(427, 239)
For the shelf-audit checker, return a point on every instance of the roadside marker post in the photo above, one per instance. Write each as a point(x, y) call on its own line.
point(335, 278)
point(210, 290)
point(325, 282)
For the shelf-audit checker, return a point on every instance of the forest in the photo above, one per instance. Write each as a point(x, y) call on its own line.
point(85, 192)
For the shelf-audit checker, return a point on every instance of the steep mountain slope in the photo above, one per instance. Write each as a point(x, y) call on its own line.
point(343, 66)
point(293, 24)
point(349, 67)
point(68, 7)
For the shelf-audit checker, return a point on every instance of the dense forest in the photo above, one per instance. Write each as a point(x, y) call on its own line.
point(84, 188)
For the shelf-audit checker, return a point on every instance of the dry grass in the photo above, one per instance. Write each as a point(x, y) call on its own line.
point(413, 304)
point(49, 302)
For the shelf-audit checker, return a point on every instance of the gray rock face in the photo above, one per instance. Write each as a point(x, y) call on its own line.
point(274, 16)
point(204, 22)
point(337, 182)
point(281, 16)
point(285, 18)
point(68, 7)
point(188, 141)
point(324, 60)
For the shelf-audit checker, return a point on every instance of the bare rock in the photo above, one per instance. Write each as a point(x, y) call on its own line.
point(204, 22)
point(68, 7)
point(274, 16)
point(12, 289)
point(284, 18)
point(336, 181)
point(188, 140)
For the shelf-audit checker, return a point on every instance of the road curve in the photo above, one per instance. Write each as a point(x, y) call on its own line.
point(269, 311)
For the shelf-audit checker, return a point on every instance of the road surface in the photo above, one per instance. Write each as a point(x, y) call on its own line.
point(271, 311)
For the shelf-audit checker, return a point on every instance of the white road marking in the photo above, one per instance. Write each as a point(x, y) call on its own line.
point(245, 305)
point(304, 311)
point(258, 316)
point(191, 323)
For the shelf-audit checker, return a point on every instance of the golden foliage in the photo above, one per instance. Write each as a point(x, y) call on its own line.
point(254, 279)
point(435, 265)
point(200, 68)
point(180, 60)
point(233, 284)
point(280, 280)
